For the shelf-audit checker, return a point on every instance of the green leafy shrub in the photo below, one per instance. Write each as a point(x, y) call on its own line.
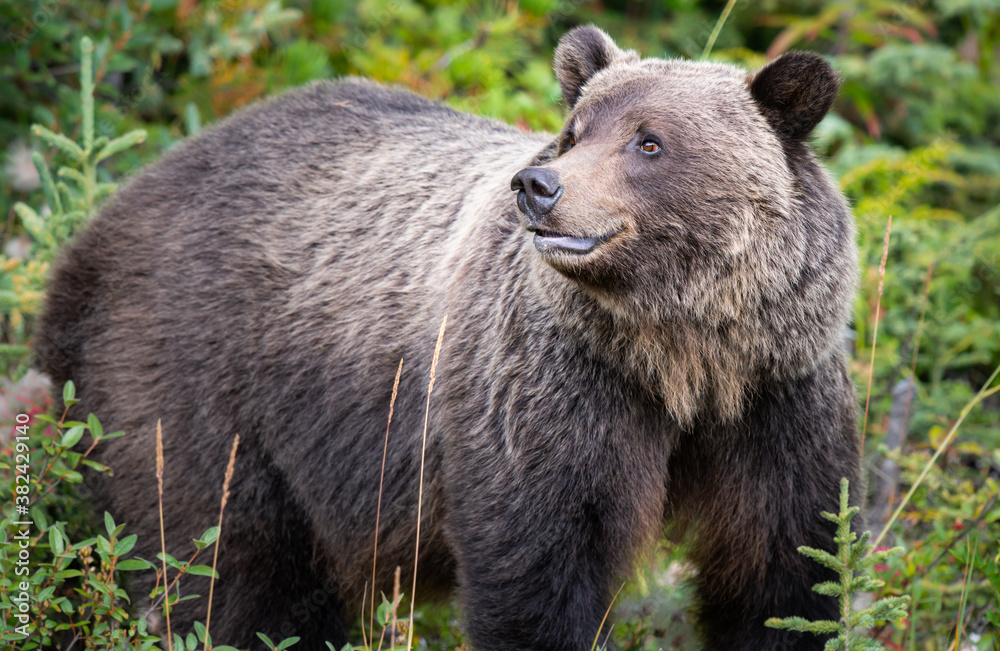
point(57, 591)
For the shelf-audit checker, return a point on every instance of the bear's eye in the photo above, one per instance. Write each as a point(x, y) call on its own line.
point(572, 141)
point(650, 146)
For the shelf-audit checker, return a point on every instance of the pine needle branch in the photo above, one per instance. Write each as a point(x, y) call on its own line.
point(854, 557)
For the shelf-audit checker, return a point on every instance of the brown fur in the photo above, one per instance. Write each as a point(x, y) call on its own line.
point(266, 277)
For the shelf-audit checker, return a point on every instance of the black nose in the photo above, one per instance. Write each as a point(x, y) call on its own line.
point(538, 191)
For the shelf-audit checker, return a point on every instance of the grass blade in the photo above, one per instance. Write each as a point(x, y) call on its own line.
point(420, 490)
point(878, 309)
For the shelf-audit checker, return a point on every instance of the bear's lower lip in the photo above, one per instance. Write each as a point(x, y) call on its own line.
point(548, 242)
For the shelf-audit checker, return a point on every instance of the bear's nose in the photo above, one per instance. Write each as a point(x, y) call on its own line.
point(538, 191)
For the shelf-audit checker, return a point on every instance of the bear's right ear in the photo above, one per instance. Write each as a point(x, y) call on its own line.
point(794, 92)
point(582, 53)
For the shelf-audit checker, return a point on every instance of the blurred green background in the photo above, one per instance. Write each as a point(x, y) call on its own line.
point(915, 135)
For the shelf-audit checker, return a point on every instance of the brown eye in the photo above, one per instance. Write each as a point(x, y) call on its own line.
point(650, 146)
point(572, 140)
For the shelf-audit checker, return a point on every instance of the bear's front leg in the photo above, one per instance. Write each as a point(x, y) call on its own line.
point(544, 522)
point(753, 492)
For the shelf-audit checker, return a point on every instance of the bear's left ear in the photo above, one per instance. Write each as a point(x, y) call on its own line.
point(794, 92)
point(582, 53)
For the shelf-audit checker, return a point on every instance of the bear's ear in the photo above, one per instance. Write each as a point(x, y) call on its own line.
point(794, 92)
point(582, 53)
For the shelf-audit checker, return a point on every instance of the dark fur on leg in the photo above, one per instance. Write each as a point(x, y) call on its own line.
point(756, 491)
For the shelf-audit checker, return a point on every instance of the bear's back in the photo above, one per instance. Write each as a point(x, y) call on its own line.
point(335, 185)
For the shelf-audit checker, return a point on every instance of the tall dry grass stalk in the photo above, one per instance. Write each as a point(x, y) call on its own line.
point(878, 309)
point(163, 535)
point(420, 489)
point(378, 509)
point(395, 605)
point(218, 536)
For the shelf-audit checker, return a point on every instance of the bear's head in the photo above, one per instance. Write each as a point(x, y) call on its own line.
point(683, 199)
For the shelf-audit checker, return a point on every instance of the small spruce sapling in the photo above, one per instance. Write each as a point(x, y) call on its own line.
point(854, 558)
point(72, 195)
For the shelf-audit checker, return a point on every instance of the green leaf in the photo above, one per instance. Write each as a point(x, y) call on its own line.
point(171, 561)
point(69, 391)
point(89, 542)
point(266, 640)
point(95, 427)
point(287, 642)
point(210, 536)
point(70, 476)
point(134, 564)
point(100, 467)
point(56, 540)
point(125, 545)
point(38, 516)
point(72, 436)
point(201, 570)
point(199, 629)
point(384, 612)
point(109, 524)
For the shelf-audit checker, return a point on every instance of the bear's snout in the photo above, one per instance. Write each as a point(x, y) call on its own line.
point(538, 191)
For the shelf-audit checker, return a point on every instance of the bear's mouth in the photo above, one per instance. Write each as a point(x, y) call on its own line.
point(551, 242)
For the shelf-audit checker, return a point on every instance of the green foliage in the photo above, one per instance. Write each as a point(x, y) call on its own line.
point(280, 646)
point(650, 611)
point(68, 589)
point(72, 590)
point(954, 508)
point(68, 204)
point(855, 557)
point(915, 135)
point(75, 197)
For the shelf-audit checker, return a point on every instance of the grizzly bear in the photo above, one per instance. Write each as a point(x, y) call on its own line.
point(644, 328)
